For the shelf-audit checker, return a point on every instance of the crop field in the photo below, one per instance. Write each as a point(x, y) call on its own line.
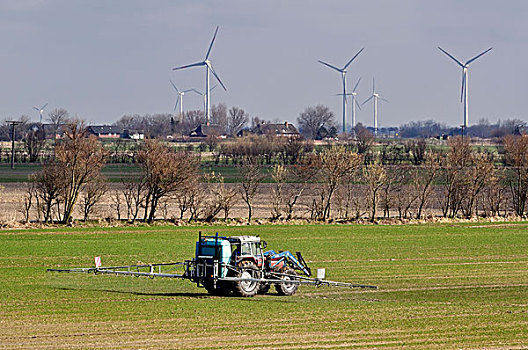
point(440, 286)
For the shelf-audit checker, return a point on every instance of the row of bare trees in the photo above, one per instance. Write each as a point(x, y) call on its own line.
point(333, 183)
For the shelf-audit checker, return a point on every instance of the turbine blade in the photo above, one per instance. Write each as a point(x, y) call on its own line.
point(198, 92)
point(355, 86)
point(352, 59)
point(357, 104)
point(477, 56)
point(38, 109)
point(174, 86)
point(217, 78)
point(188, 90)
point(211, 45)
point(190, 65)
point(373, 86)
point(329, 65)
point(368, 99)
point(44, 106)
point(453, 58)
point(384, 99)
point(211, 89)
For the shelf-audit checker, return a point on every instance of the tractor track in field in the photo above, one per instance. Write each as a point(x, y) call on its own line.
point(328, 294)
point(330, 339)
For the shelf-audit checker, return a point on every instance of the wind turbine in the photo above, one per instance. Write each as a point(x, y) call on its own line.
point(204, 95)
point(354, 104)
point(375, 96)
point(463, 93)
point(208, 69)
point(343, 72)
point(41, 111)
point(179, 99)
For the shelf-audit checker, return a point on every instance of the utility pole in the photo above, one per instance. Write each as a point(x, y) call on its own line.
point(13, 124)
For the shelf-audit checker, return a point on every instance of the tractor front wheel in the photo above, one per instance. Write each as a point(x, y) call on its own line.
point(247, 269)
point(286, 288)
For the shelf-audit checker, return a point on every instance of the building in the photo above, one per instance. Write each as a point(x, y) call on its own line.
point(281, 130)
point(106, 131)
point(133, 134)
point(204, 130)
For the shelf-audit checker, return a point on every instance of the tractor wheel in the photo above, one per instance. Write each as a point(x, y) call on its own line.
point(264, 288)
point(247, 269)
point(287, 288)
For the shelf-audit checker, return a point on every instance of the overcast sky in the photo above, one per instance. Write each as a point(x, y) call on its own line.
point(103, 59)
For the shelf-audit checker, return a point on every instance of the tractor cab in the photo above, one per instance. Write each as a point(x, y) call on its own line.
point(246, 248)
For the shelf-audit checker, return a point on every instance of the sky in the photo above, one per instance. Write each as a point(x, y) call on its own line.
point(101, 59)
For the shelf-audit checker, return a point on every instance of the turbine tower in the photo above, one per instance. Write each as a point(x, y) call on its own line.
point(41, 111)
point(343, 72)
point(464, 93)
point(208, 69)
point(354, 104)
point(179, 99)
point(375, 96)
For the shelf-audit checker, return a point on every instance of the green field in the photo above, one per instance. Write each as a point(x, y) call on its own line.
point(440, 286)
point(116, 172)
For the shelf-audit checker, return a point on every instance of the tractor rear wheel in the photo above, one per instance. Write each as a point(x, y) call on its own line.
point(247, 269)
point(287, 288)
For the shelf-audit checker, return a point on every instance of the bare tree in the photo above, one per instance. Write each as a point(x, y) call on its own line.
point(91, 196)
point(58, 117)
point(117, 203)
point(221, 197)
point(237, 120)
point(279, 177)
point(375, 177)
point(134, 192)
point(478, 174)
point(28, 199)
point(404, 190)
point(364, 139)
point(251, 179)
point(49, 185)
point(516, 156)
point(34, 140)
point(416, 150)
point(423, 178)
point(493, 195)
point(80, 158)
point(313, 118)
point(452, 176)
point(219, 115)
point(165, 172)
point(334, 163)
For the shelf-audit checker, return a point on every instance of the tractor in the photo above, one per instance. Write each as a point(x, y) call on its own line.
point(235, 265)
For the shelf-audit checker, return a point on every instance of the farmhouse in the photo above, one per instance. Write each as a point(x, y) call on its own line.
point(280, 130)
point(106, 131)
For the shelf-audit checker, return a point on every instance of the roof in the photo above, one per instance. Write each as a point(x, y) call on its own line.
point(204, 130)
point(244, 238)
point(105, 129)
point(276, 129)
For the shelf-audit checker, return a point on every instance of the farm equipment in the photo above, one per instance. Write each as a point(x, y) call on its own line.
point(234, 265)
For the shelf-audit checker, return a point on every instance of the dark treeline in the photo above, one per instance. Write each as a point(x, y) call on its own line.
point(482, 129)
